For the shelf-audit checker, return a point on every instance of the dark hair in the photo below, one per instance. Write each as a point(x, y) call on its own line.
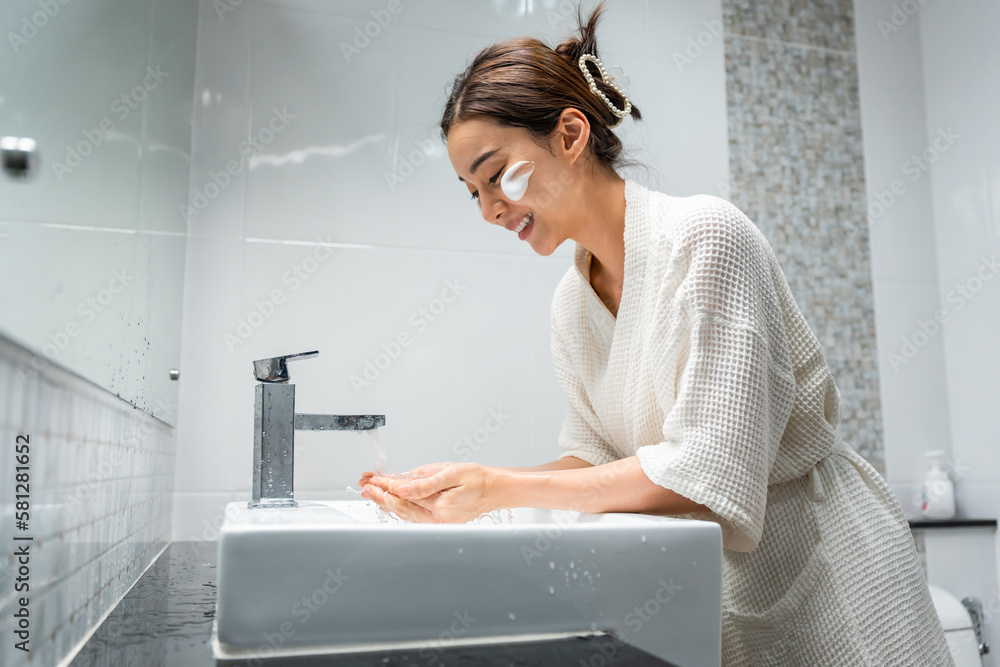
point(522, 82)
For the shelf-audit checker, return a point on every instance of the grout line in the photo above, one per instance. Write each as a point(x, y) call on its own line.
point(365, 246)
point(59, 377)
point(49, 587)
point(91, 228)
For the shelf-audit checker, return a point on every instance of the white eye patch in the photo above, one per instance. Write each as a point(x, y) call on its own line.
point(514, 182)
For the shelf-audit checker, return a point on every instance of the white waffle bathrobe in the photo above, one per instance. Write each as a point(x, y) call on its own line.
point(712, 377)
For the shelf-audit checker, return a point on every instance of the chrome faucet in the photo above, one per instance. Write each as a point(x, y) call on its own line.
point(274, 426)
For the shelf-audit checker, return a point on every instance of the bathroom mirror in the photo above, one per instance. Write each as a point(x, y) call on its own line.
point(95, 125)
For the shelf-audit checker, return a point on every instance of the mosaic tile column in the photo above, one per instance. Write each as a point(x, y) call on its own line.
point(796, 169)
point(101, 477)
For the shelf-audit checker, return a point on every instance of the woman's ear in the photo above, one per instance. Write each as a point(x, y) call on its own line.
point(572, 134)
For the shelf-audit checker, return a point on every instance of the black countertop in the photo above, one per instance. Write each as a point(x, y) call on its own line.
point(166, 621)
point(953, 523)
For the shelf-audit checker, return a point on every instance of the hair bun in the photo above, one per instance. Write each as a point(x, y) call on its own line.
point(585, 41)
point(525, 83)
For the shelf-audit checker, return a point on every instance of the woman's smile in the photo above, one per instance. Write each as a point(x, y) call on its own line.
point(524, 227)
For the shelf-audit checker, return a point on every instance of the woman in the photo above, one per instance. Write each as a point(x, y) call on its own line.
point(694, 383)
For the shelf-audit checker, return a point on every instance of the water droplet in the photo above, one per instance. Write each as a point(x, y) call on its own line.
point(461, 550)
point(571, 563)
point(512, 617)
point(552, 590)
point(552, 565)
point(643, 538)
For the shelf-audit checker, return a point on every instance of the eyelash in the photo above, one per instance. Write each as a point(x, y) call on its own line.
point(475, 195)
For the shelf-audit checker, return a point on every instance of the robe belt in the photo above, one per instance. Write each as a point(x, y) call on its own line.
point(814, 485)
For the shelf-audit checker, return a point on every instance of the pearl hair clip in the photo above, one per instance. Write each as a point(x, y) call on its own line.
point(621, 113)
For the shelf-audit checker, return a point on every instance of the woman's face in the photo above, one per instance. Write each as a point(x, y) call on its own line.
point(482, 151)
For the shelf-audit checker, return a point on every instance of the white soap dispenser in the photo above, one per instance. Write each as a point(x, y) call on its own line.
point(937, 496)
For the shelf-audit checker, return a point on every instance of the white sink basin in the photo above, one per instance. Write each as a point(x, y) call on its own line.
point(331, 578)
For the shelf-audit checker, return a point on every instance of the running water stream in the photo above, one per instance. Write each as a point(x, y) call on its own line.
point(377, 452)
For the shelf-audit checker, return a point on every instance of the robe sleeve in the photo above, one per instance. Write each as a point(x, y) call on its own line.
point(721, 368)
point(579, 436)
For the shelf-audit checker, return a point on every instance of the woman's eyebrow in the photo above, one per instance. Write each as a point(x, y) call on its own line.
point(478, 161)
point(481, 159)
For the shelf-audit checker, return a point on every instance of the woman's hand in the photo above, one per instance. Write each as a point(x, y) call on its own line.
point(435, 493)
point(420, 471)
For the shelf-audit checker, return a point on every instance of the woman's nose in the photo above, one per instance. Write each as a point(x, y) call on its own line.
point(493, 210)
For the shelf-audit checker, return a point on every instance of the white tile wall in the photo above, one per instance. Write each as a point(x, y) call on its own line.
point(965, 183)
point(100, 248)
point(904, 264)
point(938, 72)
point(85, 68)
point(100, 502)
point(320, 183)
point(933, 240)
